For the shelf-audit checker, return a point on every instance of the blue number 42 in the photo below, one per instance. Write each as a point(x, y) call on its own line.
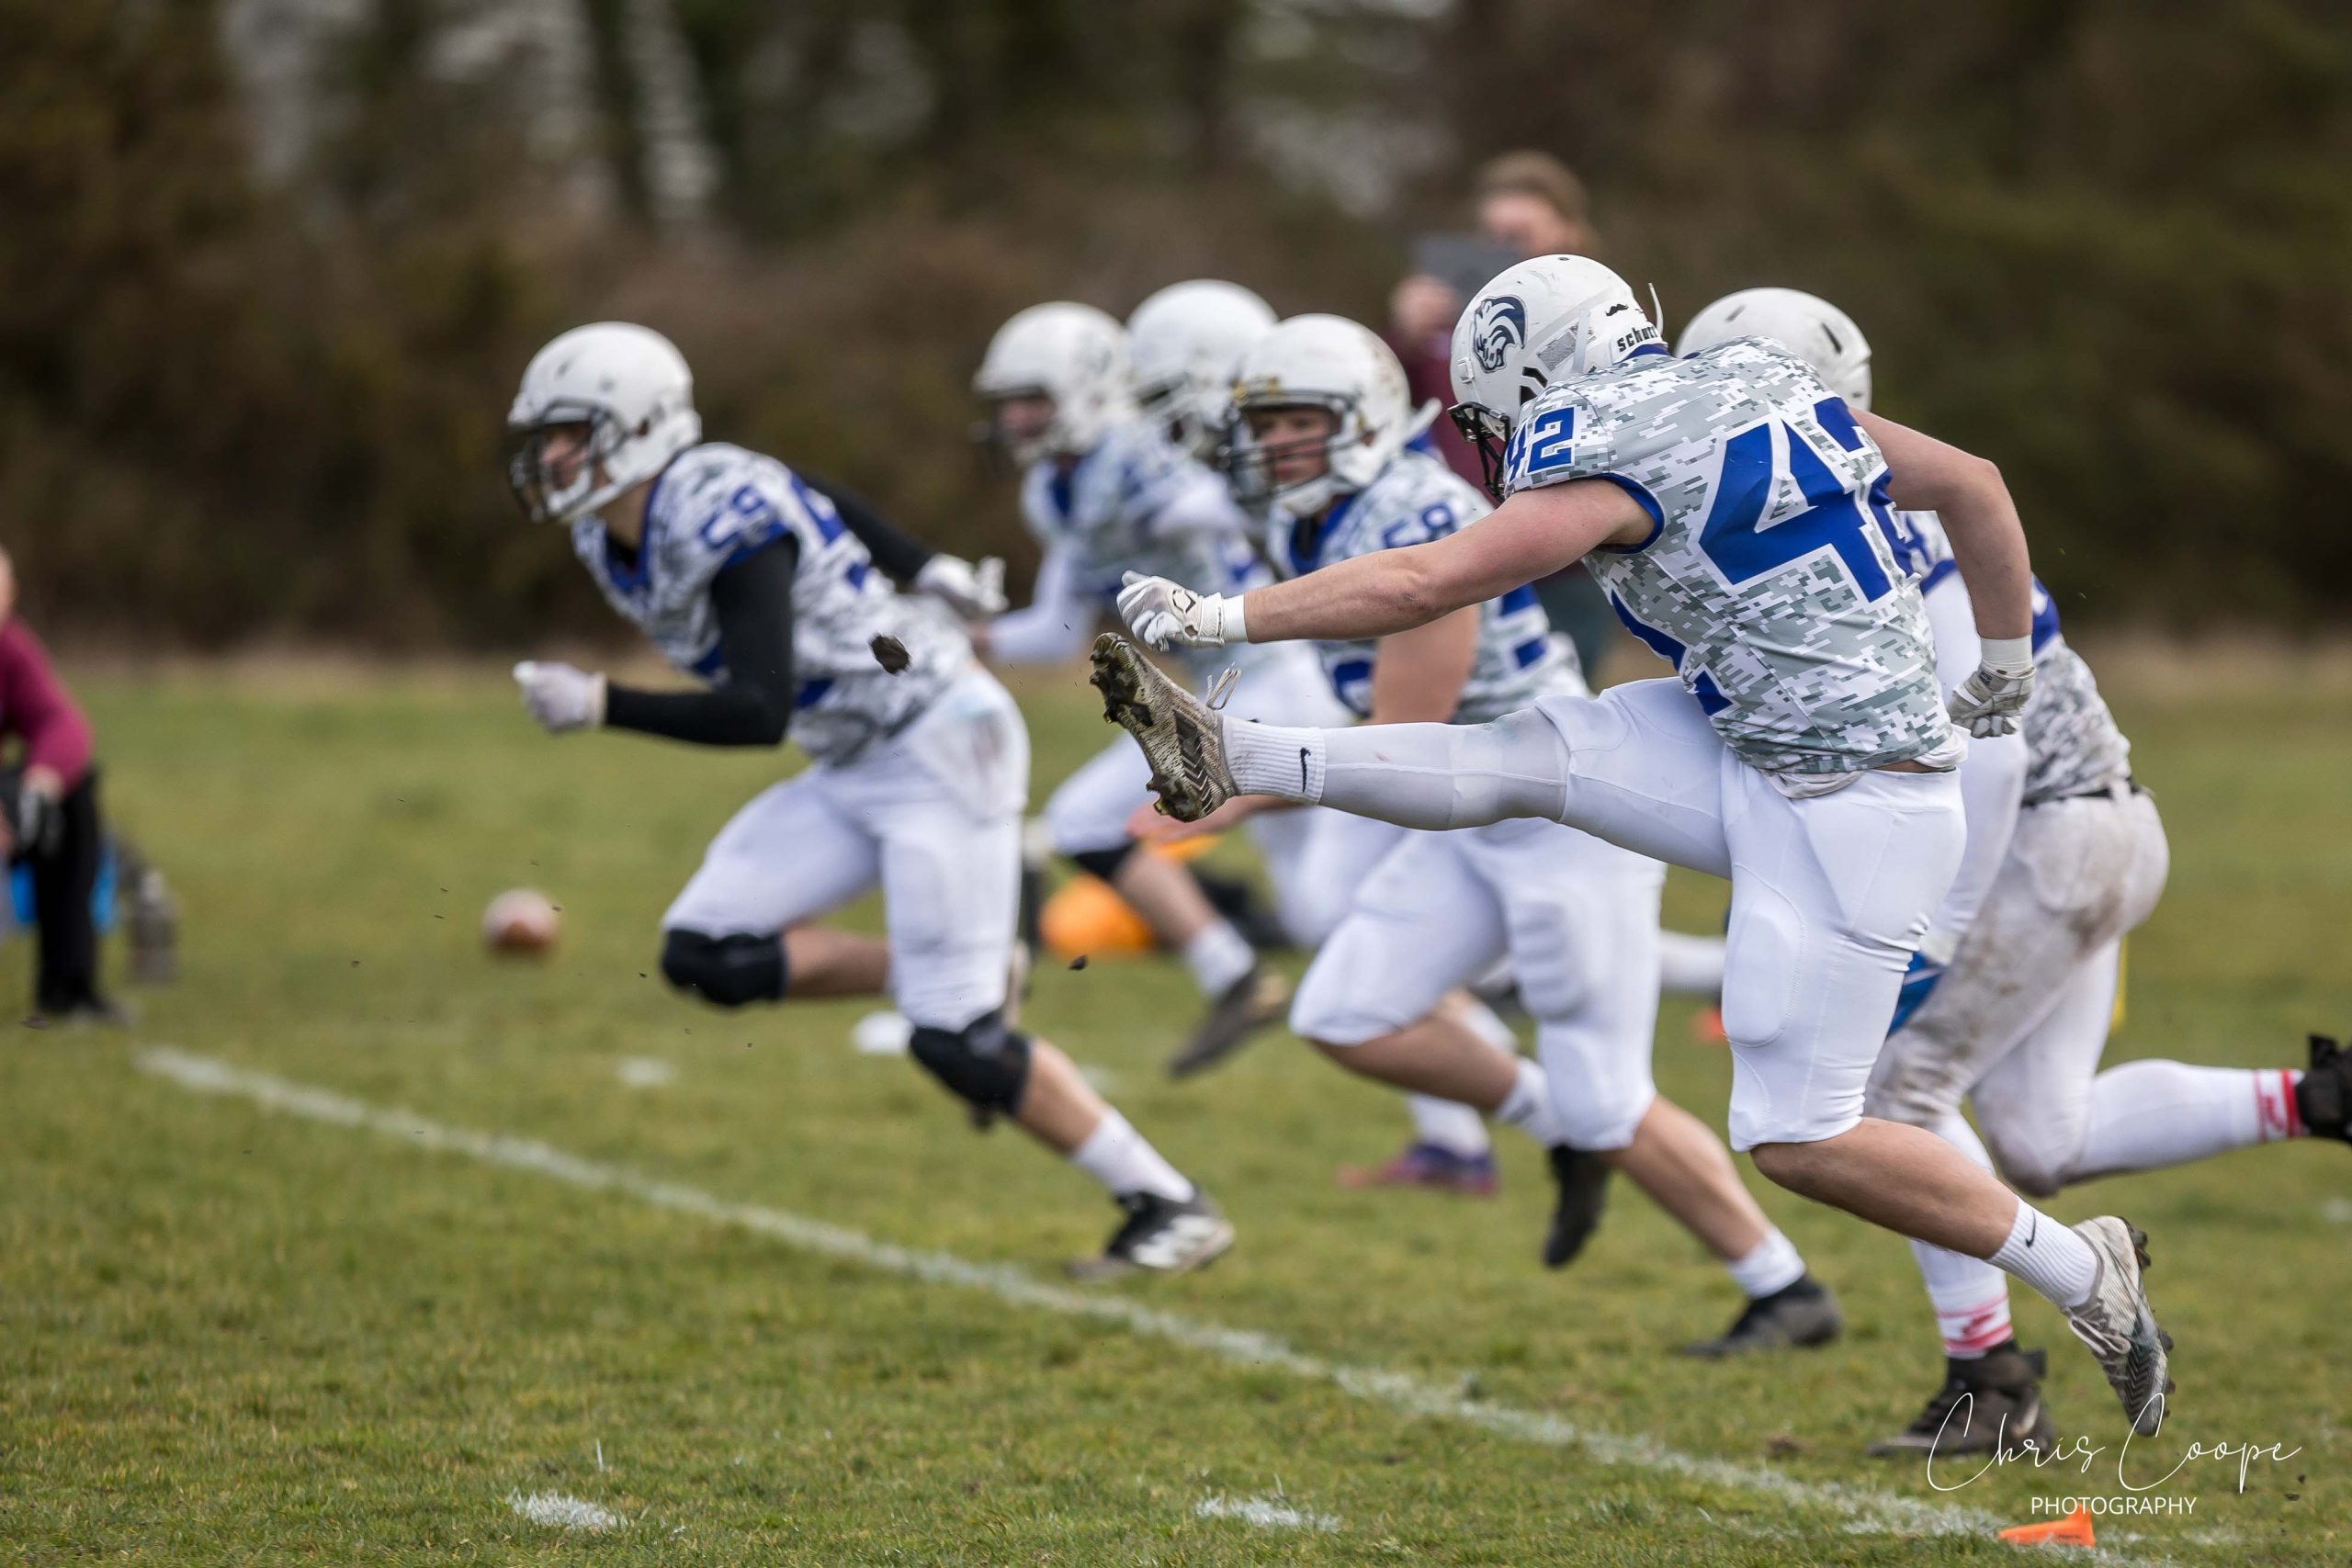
point(1835, 516)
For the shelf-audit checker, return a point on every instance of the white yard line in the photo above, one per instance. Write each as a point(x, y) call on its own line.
point(1265, 1513)
point(1865, 1509)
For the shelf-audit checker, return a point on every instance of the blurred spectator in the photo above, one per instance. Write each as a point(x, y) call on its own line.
point(48, 819)
point(1530, 204)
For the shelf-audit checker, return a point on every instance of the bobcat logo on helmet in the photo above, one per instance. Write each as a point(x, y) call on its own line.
point(1501, 326)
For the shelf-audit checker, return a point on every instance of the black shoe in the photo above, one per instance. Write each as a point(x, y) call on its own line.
point(1161, 1235)
point(2324, 1100)
point(1802, 1313)
point(1250, 1003)
point(86, 1012)
point(1237, 899)
point(1583, 1180)
point(1991, 1403)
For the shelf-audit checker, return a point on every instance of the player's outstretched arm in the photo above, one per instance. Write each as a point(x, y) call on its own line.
point(970, 589)
point(1533, 535)
point(1988, 545)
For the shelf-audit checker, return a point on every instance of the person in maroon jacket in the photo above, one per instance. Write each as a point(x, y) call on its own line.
point(49, 819)
point(1526, 204)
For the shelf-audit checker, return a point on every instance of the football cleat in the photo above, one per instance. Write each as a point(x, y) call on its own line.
point(1161, 1235)
point(1249, 1005)
point(2324, 1100)
point(1583, 1180)
point(1990, 1405)
point(1802, 1313)
point(1182, 739)
point(1428, 1165)
point(2120, 1326)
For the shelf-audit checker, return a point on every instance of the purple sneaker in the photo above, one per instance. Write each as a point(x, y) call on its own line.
point(1427, 1165)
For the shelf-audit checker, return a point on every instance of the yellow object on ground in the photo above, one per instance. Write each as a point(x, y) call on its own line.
point(2074, 1529)
point(1086, 919)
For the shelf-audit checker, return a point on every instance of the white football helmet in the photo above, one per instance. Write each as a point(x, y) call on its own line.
point(1325, 361)
point(1806, 325)
point(1548, 320)
point(629, 386)
point(1183, 345)
point(1073, 353)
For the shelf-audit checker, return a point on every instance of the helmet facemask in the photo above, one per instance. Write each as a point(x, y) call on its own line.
point(1251, 465)
point(537, 490)
point(1488, 433)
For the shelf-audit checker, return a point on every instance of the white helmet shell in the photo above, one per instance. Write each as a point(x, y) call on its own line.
point(1805, 324)
point(630, 386)
point(1073, 353)
point(1324, 362)
point(1182, 346)
point(1550, 319)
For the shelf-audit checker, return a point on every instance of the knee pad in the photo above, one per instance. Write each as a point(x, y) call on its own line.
point(727, 971)
point(984, 1064)
point(1103, 863)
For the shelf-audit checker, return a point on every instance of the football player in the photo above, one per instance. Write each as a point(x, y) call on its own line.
point(2010, 997)
point(747, 577)
point(1738, 514)
point(1106, 491)
point(1320, 444)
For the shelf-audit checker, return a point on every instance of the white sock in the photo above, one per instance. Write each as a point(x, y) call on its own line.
point(1690, 965)
point(1772, 1265)
point(2144, 1115)
point(1451, 1126)
point(1119, 1157)
point(1969, 1296)
point(2049, 1257)
point(1218, 956)
point(1415, 775)
point(1528, 1106)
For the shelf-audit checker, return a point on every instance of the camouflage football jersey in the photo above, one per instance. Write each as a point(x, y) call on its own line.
point(1772, 578)
point(715, 504)
point(1413, 499)
point(1110, 506)
point(2072, 744)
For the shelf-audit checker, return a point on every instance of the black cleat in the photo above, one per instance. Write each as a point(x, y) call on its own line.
point(1583, 1180)
point(2324, 1100)
point(1161, 1235)
point(1249, 1005)
point(1802, 1313)
point(1992, 1404)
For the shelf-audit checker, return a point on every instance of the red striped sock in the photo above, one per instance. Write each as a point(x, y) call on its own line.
point(2274, 1105)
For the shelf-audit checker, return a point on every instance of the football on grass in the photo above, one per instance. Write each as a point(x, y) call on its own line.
point(520, 920)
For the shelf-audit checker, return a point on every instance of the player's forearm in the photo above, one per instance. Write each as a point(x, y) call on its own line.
point(723, 715)
point(1988, 545)
point(1370, 596)
point(900, 555)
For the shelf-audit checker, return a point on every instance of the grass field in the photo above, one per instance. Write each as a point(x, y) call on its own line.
point(239, 1324)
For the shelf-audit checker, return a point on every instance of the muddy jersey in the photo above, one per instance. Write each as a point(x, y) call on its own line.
point(2073, 743)
point(1136, 502)
point(1413, 499)
point(1771, 577)
point(713, 505)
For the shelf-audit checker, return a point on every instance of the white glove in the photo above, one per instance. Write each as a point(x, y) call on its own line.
point(1164, 615)
point(1989, 701)
point(973, 591)
point(560, 697)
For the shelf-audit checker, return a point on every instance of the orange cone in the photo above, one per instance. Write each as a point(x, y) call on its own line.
point(2074, 1529)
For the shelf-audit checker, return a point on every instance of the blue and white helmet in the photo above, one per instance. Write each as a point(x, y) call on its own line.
point(1805, 324)
point(1182, 346)
point(1331, 363)
point(1548, 320)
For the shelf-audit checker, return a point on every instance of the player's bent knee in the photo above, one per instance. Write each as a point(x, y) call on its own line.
point(983, 1064)
point(1333, 1022)
point(1603, 1126)
point(2031, 1166)
point(728, 971)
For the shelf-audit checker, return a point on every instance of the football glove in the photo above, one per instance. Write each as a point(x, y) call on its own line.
point(1989, 702)
point(974, 590)
point(1165, 615)
point(36, 825)
point(561, 697)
